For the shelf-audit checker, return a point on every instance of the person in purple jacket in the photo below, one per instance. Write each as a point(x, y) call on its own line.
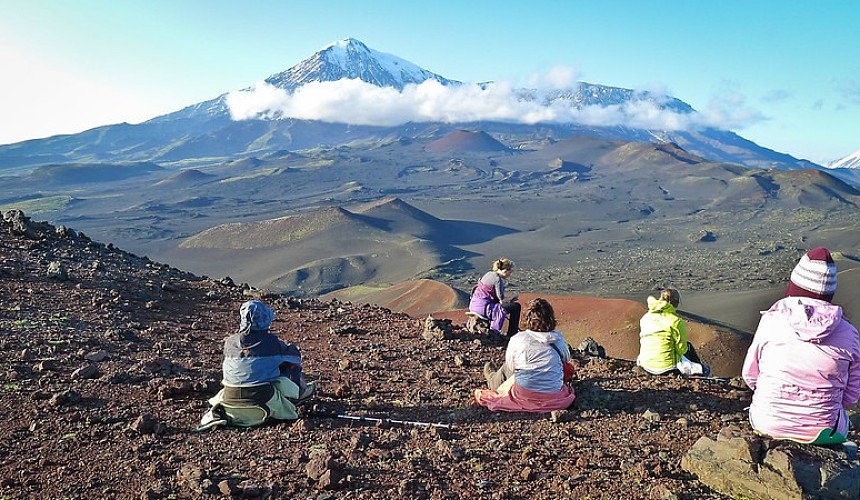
point(804, 361)
point(489, 300)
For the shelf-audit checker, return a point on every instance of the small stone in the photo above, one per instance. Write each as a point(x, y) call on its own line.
point(85, 372)
point(330, 479)
point(57, 272)
point(47, 365)
point(96, 356)
point(228, 487)
point(65, 398)
point(651, 416)
point(485, 484)
point(317, 466)
point(527, 474)
point(144, 424)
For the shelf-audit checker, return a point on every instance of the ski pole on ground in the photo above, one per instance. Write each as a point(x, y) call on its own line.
point(324, 412)
point(703, 377)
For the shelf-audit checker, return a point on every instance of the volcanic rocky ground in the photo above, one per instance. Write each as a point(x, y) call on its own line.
point(108, 359)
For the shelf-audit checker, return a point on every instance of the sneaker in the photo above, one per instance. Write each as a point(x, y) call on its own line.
point(489, 371)
point(307, 394)
point(211, 419)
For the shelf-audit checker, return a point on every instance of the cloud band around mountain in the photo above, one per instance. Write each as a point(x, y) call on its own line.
point(356, 102)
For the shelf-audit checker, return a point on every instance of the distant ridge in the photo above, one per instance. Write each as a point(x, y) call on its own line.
point(464, 141)
point(206, 132)
point(270, 233)
point(185, 178)
point(85, 173)
point(397, 216)
point(382, 241)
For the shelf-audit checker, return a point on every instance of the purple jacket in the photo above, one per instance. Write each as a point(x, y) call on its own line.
point(804, 366)
point(487, 302)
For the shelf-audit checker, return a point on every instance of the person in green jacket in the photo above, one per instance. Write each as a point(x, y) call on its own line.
point(663, 345)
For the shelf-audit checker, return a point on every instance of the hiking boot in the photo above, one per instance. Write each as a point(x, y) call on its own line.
point(489, 371)
point(307, 394)
point(212, 418)
point(495, 337)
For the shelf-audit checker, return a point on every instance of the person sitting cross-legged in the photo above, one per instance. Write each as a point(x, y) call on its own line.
point(663, 345)
point(533, 376)
point(262, 374)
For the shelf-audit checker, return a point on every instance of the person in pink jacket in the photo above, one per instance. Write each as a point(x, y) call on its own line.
point(804, 362)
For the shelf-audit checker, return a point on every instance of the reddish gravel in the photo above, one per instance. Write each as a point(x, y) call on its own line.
point(106, 373)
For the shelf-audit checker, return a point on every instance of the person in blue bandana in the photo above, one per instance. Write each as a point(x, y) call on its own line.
point(262, 374)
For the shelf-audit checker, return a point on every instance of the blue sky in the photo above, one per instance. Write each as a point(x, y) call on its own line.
point(784, 73)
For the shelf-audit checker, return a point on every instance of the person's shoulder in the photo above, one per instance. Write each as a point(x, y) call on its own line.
point(519, 338)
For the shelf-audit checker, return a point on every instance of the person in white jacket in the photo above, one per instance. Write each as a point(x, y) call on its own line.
point(532, 378)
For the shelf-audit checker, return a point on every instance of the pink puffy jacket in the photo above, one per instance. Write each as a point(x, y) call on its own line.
point(804, 366)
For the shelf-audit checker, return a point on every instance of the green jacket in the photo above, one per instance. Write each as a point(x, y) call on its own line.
point(662, 337)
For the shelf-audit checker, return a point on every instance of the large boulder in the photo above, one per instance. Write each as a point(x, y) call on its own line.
point(740, 464)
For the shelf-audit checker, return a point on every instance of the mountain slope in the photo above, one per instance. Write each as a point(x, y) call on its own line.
point(350, 58)
point(115, 365)
point(313, 252)
point(850, 161)
point(204, 132)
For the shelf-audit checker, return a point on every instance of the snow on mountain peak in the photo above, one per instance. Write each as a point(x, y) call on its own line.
point(351, 59)
point(850, 161)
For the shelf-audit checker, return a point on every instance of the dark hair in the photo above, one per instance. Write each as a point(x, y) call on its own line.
point(671, 295)
point(539, 316)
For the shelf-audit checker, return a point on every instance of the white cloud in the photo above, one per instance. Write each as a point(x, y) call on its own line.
point(729, 111)
point(360, 103)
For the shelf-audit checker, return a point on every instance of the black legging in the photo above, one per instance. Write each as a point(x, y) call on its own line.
point(513, 310)
point(691, 354)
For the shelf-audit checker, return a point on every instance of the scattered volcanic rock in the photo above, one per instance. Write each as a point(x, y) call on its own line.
point(743, 465)
point(126, 433)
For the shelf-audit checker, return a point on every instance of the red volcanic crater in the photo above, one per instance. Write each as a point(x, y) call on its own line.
point(614, 324)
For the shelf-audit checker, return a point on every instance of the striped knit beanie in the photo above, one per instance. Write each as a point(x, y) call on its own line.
point(814, 276)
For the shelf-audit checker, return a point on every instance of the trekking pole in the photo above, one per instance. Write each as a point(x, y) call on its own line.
point(324, 412)
point(708, 378)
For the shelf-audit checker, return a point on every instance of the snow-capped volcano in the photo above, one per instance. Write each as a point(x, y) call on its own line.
point(850, 161)
point(348, 92)
point(349, 58)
